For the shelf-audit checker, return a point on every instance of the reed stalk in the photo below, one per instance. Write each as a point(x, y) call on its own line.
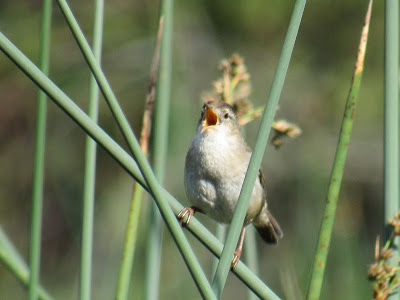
point(335, 181)
point(221, 274)
point(138, 191)
point(159, 150)
point(16, 264)
point(90, 165)
point(391, 121)
point(39, 159)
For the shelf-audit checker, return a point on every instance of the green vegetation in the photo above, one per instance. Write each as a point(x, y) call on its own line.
point(78, 252)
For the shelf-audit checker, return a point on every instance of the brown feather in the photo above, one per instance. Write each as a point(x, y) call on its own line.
point(265, 223)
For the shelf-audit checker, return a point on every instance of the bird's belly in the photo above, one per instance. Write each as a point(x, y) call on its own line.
point(218, 199)
point(203, 194)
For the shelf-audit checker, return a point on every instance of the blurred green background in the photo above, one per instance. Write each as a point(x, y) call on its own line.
point(297, 175)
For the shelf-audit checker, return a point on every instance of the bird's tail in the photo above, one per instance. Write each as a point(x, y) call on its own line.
point(268, 227)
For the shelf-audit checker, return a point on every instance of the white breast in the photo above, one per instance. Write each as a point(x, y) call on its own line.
point(214, 173)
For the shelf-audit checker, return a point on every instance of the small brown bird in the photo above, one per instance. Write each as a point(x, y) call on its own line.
point(215, 168)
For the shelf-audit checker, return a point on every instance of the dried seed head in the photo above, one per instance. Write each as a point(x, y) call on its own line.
point(390, 270)
point(287, 128)
point(382, 274)
point(218, 86)
point(284, 129)
point(234, 88)
point(386, 253)
point(236, 59)
point(374, 271)
point(224, 65)
point(395, 223)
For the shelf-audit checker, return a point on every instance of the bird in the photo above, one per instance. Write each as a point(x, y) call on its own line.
point(215, 167)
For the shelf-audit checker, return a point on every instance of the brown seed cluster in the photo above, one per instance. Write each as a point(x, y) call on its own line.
point(284, 129)
point(234, 88)
point(384, 276)
point(395, 223)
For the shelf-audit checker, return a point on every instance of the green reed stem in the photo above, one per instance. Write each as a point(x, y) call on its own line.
point(150, 179)
point(391, 137)
point(90, 165)
point(163, 94)
point(98, 74)
point(130, 243)
point(391, 119)
point(332, 195)
point(39, 160)
point(16, 264)
point(251, 255)
point(220, 233)
point(159, 152)
point(255, 161)
point(391, 84)
point(138, 191)
point(124, 160)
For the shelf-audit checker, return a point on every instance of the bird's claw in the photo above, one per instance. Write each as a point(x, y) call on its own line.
point(236, 258)
point(187, 211)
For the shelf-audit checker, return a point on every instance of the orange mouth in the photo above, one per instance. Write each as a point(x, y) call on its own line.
point(210, 117)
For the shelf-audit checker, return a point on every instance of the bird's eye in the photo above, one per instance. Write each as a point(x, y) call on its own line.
point(203, 111)
point(226, 116)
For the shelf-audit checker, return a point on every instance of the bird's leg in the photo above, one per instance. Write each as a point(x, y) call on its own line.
point(238, 252)
point(189, 212)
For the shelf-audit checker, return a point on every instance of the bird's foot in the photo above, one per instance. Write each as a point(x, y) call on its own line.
point(236, 258)
point(189, 212)
point(238, 252)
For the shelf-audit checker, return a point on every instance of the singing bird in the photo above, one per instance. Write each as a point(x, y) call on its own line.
point(215, 168)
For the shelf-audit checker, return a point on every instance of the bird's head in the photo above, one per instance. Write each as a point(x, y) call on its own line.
point(218, 115)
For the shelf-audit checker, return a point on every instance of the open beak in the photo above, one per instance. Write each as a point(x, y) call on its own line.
point(210, 117)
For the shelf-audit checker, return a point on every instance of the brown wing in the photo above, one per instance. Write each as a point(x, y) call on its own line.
point(265, 223)
point(262, 181)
